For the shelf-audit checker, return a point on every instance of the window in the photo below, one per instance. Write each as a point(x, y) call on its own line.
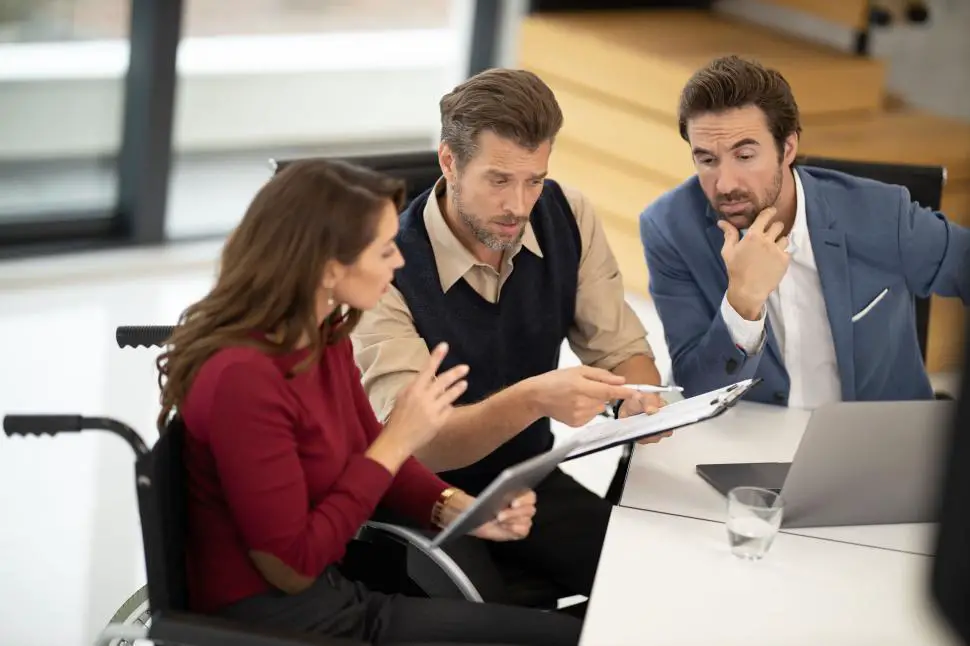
point(92, 151)
point(282, 78)
point(62, 65)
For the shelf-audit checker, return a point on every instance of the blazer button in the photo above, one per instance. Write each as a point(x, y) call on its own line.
point(781, 398)
point(731, 366)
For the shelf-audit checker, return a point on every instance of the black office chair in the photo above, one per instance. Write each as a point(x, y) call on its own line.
point(160, 483)
point(925, 185)
point(419, 170)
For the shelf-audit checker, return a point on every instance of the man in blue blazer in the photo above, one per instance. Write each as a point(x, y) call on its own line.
point(801, 276)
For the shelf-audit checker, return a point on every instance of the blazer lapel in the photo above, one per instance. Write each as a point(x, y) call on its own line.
point(831, 258)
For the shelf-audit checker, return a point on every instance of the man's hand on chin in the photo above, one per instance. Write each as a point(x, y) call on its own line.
point(648, 403)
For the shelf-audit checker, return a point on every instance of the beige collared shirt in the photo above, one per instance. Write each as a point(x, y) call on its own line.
point(606, 331)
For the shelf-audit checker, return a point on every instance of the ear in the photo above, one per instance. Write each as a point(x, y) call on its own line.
point(333, 273)
point(447, 162)
point(791, 149)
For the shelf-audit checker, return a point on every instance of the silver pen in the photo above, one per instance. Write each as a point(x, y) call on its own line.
point(648, 388)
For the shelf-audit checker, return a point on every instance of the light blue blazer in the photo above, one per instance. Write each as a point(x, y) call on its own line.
point(866, 236)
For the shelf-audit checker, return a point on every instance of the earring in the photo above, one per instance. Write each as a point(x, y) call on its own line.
point(330, 300)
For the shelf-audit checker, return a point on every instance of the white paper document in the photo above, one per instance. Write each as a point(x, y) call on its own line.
point(687, 411)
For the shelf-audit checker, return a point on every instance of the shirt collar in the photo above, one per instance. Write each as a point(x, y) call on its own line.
point(799, 229)
point(453, 259)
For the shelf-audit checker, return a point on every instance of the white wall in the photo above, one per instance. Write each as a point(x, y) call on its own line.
point(930, 66)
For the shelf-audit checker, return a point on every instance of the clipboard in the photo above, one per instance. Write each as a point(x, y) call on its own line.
point(606, 435)
point(516, 480)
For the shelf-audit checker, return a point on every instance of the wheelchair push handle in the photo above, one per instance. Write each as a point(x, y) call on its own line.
point(148, 336)
point(55, 424)
point(42, 424)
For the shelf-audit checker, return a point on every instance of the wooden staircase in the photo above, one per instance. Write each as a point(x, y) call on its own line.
point(618, 77)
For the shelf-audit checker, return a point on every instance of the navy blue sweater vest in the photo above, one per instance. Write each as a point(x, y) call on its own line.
point(506, 342)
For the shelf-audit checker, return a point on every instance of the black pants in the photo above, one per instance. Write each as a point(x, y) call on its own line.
point(337, 607)
point(563, 548)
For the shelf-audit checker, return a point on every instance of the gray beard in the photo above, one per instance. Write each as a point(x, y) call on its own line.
point(486, 237)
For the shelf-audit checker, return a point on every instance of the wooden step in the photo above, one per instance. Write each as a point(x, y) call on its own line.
point(645, 57)
point(945, 337)
point(618, 192)
point(644, 139)
point(626, 246)
point(853, 14)
point(900, 136)
point(956, 202)
point(618, 195)
point(903, 137)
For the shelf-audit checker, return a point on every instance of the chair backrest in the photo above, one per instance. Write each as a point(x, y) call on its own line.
point(925, 185)
point(419, 170)
point(162, 504)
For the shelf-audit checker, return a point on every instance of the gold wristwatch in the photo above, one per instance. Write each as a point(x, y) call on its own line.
point(439, 506)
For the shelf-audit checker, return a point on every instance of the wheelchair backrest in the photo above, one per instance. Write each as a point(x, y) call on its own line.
point(162, 503)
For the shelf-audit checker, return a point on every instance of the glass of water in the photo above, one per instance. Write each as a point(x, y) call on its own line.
point(754, 516)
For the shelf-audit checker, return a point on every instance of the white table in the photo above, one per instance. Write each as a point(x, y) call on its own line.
point(663, 476)
point(669, 580)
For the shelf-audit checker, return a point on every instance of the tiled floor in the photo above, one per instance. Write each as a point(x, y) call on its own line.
point(70, 550)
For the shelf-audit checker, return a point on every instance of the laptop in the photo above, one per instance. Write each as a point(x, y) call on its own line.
point(858, 463)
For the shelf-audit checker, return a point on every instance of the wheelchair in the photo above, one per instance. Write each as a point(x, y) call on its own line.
point(385, 557)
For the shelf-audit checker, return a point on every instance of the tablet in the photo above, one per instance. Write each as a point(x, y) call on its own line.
point(509, 485)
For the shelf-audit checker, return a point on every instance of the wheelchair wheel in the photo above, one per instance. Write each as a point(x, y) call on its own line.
point(131, 622)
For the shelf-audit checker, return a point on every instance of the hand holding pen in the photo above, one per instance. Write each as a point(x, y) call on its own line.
point(648, 401)
point(647, 405)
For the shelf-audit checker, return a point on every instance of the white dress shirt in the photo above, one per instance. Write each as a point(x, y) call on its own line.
point(799, 321)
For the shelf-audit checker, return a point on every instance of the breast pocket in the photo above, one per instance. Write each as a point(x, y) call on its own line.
point(871, 306)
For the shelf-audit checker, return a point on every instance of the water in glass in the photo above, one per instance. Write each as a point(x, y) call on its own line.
point(754, 516)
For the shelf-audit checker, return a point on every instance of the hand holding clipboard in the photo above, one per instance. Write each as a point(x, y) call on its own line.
point(607, 434)
point(523, 477)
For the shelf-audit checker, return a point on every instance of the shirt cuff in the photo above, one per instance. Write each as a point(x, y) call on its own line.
point(749, 336)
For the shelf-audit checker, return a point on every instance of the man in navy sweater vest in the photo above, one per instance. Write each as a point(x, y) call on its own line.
point(504, 265)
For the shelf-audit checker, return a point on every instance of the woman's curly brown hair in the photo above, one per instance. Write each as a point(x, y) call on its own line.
point(265, 295)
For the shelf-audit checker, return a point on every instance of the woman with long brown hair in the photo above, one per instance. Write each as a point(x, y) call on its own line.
point(285, 458)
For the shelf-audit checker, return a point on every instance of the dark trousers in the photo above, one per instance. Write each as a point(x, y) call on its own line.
point(337, 607)
point(562, 551)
